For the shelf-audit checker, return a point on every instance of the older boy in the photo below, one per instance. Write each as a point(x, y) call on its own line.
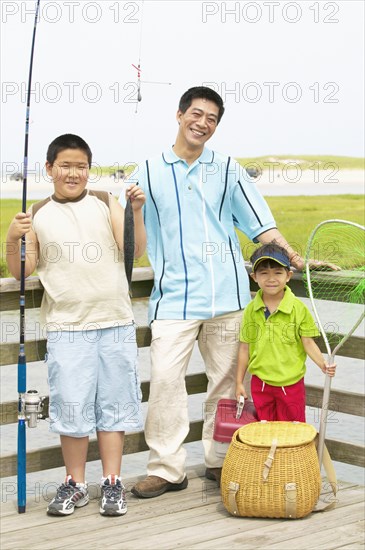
point(276, 335)
point(75, 240)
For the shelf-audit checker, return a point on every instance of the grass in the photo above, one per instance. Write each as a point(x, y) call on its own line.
point(295, 218)
point(307, 162)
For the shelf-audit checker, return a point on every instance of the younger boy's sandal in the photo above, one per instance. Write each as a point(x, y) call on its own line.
point(154, 486)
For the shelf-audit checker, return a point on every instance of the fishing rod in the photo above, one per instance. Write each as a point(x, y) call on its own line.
point(29, 403)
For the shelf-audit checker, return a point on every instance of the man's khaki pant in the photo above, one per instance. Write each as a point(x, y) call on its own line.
point(167, 423)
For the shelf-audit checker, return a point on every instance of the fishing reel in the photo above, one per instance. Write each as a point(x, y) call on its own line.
point(32, 406)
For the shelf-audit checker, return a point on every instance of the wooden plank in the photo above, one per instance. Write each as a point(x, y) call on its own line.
point(142, 283)
point(195, 383)
point(9, 284)
point(245, 533)
point(164, 523)
point(354, 347)
point(10, 301)
point(146, 508)
point(51, 457)
point(33, 297)
point(340, 401)
point(341, 451)
point(227, 531)
point(36, 349)
point(326, 537)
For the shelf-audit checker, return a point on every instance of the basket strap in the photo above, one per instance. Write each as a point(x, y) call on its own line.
point(269, 460)
point(332, 478)
point(290, 500)
point(232, 492)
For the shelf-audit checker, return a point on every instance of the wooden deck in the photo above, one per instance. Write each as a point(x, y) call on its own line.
point(193, 518)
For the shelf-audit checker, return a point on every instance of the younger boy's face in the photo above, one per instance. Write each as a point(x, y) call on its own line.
point(272, 280)
point(69, 172)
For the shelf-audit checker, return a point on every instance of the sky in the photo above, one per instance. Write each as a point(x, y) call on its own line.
point(291, 75)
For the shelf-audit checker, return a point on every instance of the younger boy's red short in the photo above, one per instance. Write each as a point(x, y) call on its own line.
point(277, 402)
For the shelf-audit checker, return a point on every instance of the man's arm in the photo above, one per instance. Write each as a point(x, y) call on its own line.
point(274, 235)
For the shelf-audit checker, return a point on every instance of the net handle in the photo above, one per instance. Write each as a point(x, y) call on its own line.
point(331, 354)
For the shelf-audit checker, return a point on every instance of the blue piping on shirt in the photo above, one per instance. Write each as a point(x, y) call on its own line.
point(225, 188)
point(236, 275)
point(252, 208)
point(181, 242)
point(158, 217)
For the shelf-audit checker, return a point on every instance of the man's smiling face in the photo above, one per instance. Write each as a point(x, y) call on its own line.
point(197, 124)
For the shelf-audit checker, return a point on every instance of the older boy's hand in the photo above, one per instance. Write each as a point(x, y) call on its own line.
point(136, 195)
point(20, 225)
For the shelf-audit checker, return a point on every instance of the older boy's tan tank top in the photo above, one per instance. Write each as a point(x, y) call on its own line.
point(80, 265)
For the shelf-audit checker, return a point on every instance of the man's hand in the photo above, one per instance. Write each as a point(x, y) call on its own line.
point(319, 264)
point(297, 261)
point(136, 195)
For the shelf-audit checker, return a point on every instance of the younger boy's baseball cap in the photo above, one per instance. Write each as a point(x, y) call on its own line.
point(271, 254)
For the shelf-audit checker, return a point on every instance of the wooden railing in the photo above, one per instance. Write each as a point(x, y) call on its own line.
point(51, 457)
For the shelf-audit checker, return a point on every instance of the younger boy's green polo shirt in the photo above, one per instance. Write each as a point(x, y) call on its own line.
point(276, 352)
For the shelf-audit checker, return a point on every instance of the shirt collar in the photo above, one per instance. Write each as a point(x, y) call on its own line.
point(170, 157)
point(286, 304)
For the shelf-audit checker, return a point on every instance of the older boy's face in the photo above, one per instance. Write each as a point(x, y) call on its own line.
point(198, 123)
point(69, 172)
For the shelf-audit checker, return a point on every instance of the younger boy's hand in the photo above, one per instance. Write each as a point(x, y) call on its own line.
point(20, 225)
point(240, 390)
point(136, 195)
point(329, 369)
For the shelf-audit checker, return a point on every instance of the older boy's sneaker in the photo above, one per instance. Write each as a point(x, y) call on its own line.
point(70, 495)
point(113, 502)
point(154, 486)
point(214, 474)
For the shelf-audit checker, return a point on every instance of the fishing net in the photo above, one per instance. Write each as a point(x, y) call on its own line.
point(341, 245)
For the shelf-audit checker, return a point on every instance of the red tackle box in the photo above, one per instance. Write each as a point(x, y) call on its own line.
point(226, 423)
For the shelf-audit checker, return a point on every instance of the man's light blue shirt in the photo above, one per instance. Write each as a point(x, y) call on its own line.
point(190, 215)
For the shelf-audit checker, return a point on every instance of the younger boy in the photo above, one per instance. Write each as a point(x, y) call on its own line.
point(276, 334)
point(75, 240)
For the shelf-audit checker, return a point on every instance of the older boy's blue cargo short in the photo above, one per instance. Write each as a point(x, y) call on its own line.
point(93, 381)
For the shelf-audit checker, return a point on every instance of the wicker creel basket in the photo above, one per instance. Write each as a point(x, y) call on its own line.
point(271, 470)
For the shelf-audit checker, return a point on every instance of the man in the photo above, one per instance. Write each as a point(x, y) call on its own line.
point(194, 200)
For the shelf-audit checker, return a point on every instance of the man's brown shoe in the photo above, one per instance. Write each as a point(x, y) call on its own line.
point(214, 474)
point(154, 486)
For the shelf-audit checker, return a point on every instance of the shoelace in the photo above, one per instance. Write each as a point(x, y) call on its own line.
point(65, 490)
point(113, 491)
